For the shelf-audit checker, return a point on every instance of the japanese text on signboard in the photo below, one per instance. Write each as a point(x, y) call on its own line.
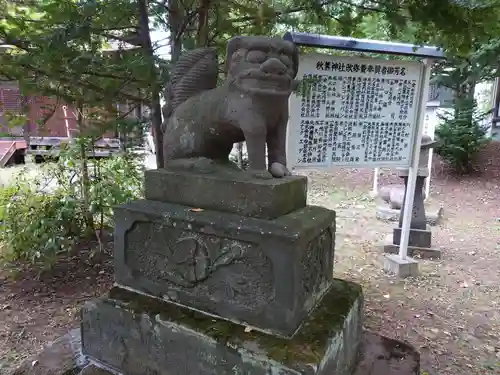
point(354, 112)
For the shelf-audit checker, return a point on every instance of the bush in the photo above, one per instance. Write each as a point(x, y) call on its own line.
point(47, 214)
point(461, 136)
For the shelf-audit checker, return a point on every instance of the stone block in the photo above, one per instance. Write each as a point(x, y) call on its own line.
point(264, 273)
point(61, 357)
point(136, 335)
point(400, 267)
point(416, 252)
point(386, 213)
point(94, 370)
point(418, 237)
point(232, 191)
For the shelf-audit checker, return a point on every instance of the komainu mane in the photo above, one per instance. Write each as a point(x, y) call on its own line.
point(205, 120)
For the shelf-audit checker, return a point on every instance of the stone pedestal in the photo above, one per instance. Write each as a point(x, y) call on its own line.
point(418, 237)
point(237, 284)
point(265, 273)
point(403, 268)
point(413, 251)
point(138, 335)
point(227, 190)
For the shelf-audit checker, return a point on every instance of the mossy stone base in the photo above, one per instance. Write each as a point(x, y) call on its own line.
point(138, 335)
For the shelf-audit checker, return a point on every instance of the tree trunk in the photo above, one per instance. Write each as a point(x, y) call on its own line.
point(89, 218)
point(202, 38)
point(156, 119)
point(175, 22)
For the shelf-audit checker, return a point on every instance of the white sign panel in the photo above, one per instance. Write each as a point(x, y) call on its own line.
point(430, 121)
point(353, 112)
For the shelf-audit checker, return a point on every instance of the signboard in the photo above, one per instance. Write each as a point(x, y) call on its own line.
point(354, 112)
point(430, 121)
point(440, 94)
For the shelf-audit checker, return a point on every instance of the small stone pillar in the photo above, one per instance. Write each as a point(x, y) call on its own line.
point(419, 242)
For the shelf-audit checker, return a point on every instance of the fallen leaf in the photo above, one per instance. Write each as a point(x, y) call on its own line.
point(196, 209)
point(489, 348)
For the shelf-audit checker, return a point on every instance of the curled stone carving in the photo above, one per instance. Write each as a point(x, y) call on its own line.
point(317, 263)
point(199, 264)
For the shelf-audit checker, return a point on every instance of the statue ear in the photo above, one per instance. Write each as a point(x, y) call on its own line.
point(233, 45)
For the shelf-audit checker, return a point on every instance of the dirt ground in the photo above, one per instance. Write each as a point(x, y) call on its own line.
point(451, 312)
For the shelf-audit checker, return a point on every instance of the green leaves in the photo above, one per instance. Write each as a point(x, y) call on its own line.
point(43, 216)
point(59, 51)
point(461, 136)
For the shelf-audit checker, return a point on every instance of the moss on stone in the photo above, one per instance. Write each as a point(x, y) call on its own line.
point(308, 345)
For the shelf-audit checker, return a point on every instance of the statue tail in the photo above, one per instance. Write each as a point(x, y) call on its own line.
point(196, 71)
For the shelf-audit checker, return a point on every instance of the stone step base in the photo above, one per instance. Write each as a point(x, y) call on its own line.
point(379, 355)
point(137, 335)
point(413, 251)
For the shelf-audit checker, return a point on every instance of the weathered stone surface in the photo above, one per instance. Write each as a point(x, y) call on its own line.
point(418, 237)
point(379, 355)
point(417, 252)
point(403, 268)
point(228, 190)
point(388, 214)
point(138, 335)
point(393, 195)
point(62, 357)
point(94, 370)
point(384, 356)
point(266, 273)
point(202, 120)
point(418, 220)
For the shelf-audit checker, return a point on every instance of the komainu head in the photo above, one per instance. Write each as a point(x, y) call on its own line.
point(262, 65)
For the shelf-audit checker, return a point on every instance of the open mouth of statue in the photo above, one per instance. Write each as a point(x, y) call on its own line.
point(266, 83)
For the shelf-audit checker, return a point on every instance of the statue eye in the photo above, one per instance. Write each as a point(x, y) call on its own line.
point(256, 57)
point(238, 54)
point(285, 59)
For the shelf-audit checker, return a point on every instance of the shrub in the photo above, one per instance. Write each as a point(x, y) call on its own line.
point(47, 214)
point(461, 136)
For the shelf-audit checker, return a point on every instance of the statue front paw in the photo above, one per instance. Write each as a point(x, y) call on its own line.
point(261, 175)
point(279, 170)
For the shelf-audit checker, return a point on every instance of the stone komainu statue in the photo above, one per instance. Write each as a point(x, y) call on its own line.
point(205, 120)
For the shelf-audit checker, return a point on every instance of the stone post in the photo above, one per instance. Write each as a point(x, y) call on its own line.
point(420, 234)
point(418, 219)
